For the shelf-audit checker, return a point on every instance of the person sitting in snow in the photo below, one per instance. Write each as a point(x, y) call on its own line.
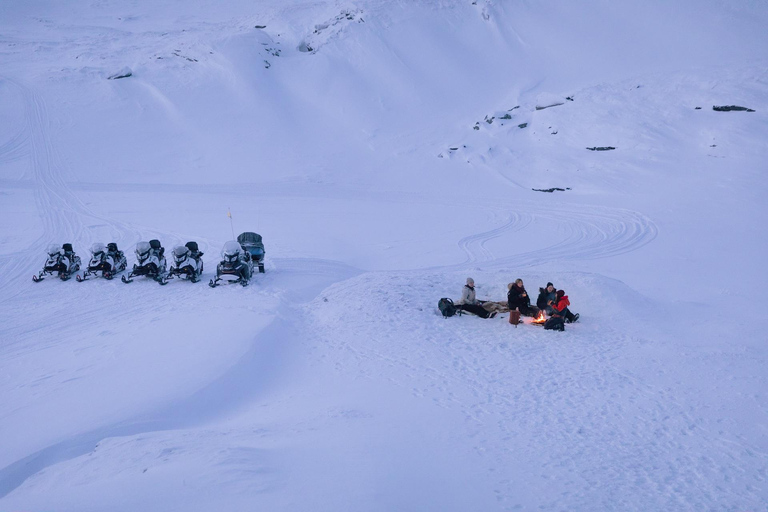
point(517, 298)
point(469, 302)
point(560, 312)
point(546, 294)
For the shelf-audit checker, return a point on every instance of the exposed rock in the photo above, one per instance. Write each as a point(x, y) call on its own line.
point(548, 100)
point(731, 108)
point(522, 125)
point(542, 107)
point(260, 26)
point(550, 190)
point(123, 73)
point(602, 148)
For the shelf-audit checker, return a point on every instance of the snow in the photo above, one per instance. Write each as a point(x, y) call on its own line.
point(386, 151)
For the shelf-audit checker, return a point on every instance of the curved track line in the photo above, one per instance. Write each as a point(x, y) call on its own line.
point(591, 232)
point(64, 216)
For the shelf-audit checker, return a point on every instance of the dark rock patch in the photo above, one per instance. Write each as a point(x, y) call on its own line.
point(522, 125)
point(602, 148)
point(260, 26)
point(731, 108)
point(542, 107)
point(123, 73)
point(550, 190)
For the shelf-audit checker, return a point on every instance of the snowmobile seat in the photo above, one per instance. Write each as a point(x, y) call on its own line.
point(194, 250)
point(67, 248)
point(157, 246)
point(112, 247)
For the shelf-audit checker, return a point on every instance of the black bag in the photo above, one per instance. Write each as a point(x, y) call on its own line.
point(446, 307)
point(555, 323)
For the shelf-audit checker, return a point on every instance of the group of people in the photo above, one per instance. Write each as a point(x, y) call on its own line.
point(554, 303)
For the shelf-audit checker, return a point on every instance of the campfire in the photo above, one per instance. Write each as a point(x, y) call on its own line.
point(539, 319)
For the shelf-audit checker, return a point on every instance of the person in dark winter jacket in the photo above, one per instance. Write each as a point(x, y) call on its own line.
point(546, 294)
point(518, 298)
point(469, 302)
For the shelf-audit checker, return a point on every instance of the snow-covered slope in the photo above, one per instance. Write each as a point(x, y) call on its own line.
point(386, 151)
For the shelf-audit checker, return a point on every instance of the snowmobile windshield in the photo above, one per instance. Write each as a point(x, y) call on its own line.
point(98, 248)
point(231, 251)
point(180, 252)
point(142, 250)
point(53, 250)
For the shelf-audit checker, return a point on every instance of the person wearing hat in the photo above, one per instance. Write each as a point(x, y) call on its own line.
point(469, 302)
point(546, 294)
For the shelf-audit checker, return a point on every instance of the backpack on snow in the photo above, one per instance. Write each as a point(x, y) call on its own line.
point(446, 307)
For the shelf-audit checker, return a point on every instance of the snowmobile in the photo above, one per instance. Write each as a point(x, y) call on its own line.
point(150, 262)
point(61, 261)
point(252, 243)
point(187, 262)
point(108, 260)
point(236, 265)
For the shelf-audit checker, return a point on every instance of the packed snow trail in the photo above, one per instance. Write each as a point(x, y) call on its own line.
point(64, 216)
point(265, 365)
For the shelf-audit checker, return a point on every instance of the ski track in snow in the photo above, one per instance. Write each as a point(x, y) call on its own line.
point(590, 233)
point(253, 372)
point(65, 217)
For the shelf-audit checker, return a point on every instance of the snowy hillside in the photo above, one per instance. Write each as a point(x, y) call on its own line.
point(386, 151)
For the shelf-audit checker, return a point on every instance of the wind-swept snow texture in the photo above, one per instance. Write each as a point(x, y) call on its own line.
point(386, 151)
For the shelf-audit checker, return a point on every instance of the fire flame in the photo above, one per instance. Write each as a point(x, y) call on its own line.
point(539, 319)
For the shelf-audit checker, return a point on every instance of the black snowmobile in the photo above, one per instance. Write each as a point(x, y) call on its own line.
point(187, 262)
point(150, 262)
point(108, 260)
point(252, 243)
point(236, 265)
point(60, 261)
